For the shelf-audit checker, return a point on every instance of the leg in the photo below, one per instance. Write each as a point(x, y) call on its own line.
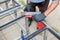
point(32, 9)
point(43, 6)
point(33, 5)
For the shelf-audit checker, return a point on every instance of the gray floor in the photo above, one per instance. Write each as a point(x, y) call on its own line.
point(13, 31)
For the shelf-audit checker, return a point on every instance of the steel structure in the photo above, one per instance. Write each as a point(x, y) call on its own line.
point(26, 30)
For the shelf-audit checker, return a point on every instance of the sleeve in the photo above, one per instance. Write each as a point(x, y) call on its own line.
point(53, 0)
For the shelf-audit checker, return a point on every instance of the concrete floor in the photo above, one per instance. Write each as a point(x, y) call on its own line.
point(13, 32)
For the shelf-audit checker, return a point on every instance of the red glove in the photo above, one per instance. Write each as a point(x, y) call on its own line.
point(28, 16)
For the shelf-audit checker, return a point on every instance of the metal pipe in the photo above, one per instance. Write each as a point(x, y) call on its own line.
point(57, 35)
point(45, 35)
point(15, 11)
point(26, 26)
point(9, 10)
point(4, 1)
point(11, 22)
point(54, 33)
point(15, 2)
point(35, 33)
point(19, 24)
point(6, 5)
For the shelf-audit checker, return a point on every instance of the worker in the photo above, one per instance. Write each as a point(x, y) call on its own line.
point(43, 8)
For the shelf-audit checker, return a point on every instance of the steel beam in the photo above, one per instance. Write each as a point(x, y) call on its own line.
point(51, 30)
point(9, 10)
point(5, 25)
point(35, 33)
point(3, 1)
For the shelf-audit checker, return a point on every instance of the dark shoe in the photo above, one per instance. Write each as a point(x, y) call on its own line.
point(29, 21)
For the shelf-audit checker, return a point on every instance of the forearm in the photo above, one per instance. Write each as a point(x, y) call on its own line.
point(51, 7)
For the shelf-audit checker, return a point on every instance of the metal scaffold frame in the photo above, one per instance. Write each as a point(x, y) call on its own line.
point(26, 30)
point(9, 11)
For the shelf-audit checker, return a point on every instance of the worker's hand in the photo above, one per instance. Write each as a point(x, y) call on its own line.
point(39, 17)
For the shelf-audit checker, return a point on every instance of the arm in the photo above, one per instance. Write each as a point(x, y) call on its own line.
point(51, 7)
